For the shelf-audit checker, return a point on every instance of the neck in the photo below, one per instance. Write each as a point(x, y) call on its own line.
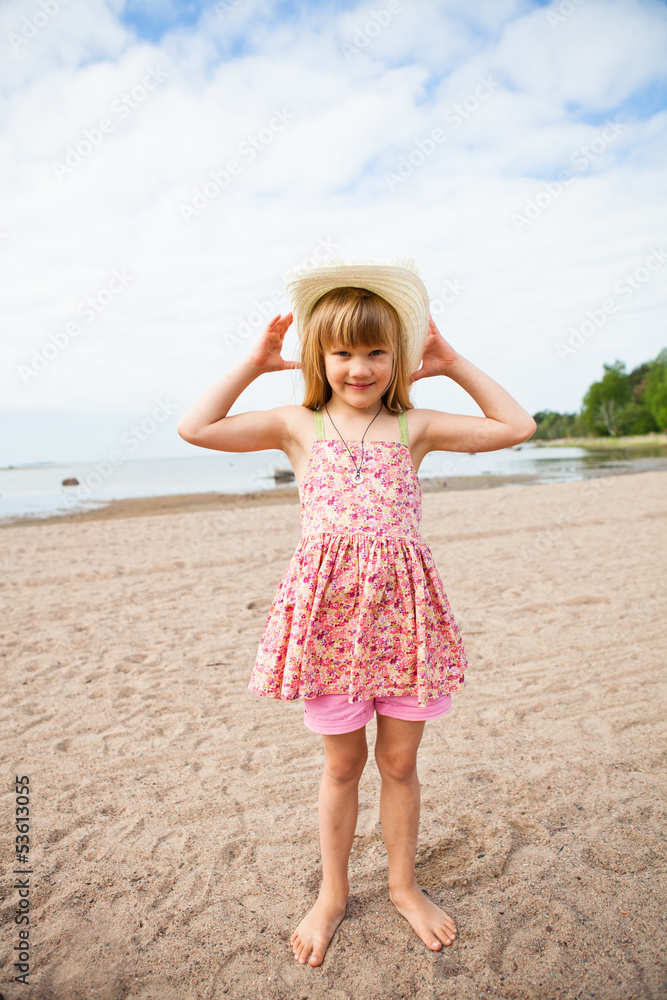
point(339, 409)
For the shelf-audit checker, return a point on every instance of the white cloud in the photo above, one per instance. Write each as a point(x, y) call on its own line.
point(596, 56)
point(324, 177)
point(39, 36)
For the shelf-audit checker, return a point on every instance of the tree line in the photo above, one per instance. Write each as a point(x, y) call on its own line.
point(620, 403)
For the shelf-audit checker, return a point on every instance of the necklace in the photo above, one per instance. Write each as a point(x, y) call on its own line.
point(358, 478)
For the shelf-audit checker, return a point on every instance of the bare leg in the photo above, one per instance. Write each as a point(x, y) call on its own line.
point(396, 754)
point(344, 758)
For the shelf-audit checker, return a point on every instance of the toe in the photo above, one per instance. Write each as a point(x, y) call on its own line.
point(319, 947)
point(300, 951)
point(447, 929)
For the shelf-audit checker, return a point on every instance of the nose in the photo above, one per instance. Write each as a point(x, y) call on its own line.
point(359, 367)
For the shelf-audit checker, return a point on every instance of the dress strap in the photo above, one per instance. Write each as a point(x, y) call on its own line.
point(319, 425)
point(403, 424)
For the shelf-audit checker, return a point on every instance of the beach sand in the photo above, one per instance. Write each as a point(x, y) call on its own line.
point(173, 813)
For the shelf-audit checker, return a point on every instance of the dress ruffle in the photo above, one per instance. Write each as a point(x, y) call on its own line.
point(364, 613)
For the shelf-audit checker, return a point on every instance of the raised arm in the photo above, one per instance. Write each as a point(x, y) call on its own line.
point(206, 423)
point(504, 423)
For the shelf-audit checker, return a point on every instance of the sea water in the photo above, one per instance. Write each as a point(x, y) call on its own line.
point(37, 490)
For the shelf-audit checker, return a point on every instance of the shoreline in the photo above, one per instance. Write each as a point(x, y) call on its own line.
point(639, 441)
point(188, 503)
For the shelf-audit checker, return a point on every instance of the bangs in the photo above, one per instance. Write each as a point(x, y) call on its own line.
point(355, 317)
point(346, 318)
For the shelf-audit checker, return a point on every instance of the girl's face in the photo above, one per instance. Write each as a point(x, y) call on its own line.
point(359, 375)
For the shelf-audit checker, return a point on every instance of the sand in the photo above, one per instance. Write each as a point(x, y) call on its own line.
point(173, 823)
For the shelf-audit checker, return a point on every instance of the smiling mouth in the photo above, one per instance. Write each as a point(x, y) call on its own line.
point(360, 385)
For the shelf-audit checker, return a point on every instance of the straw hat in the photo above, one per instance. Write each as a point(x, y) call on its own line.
point(396, 280)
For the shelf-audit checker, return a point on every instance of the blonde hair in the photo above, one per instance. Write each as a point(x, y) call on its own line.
point(352, 317)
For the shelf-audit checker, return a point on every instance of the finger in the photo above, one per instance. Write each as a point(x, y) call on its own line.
point(278, 321)
point(284, 324)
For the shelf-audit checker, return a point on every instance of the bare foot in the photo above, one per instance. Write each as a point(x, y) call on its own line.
point(433, 925)
point(317, 928)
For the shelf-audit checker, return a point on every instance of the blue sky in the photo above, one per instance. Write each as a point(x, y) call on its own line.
point(153, 20)
point(514, 149)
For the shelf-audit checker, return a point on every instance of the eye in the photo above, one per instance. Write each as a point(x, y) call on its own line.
point(343, 353)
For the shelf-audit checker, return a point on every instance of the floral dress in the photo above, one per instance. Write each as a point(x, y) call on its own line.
point(361, 609)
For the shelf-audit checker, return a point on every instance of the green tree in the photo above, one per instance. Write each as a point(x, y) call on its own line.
point(551, 424)
point(654, 397)
point(605, 400)
point(638, 378)
point(620, 403)
point(635, 418)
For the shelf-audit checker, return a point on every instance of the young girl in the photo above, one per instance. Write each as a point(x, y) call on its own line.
point(361, 623)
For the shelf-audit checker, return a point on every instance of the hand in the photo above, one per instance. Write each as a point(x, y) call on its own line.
point(266, 352)
point(439, 356)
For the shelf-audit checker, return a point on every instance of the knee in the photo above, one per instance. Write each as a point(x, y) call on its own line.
point(344, 768)
point(397, 766)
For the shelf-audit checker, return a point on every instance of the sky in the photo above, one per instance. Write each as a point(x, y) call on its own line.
point(165, 163)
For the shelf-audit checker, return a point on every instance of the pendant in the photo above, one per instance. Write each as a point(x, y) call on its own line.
point(358, 478)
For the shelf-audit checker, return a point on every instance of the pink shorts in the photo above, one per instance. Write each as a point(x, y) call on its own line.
point(331, 714)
